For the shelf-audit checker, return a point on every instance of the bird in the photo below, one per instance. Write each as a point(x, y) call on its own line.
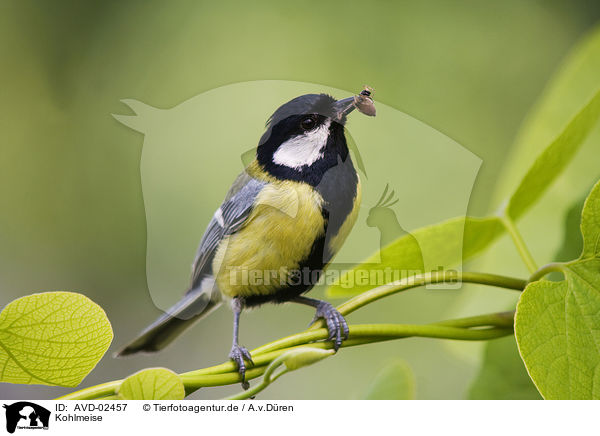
point(280, 225)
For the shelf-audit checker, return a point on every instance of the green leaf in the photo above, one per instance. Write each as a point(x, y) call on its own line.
point(554, 159)
point(53, 338)
point(572, 243)
point(442, 242)
point(395, 381)
point(503, 375)
point(152, 384)
point(590, 224)
point(557, 332)
point(557, 324)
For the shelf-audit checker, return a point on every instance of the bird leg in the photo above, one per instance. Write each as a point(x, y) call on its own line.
point(336, 324)
point(238, 353)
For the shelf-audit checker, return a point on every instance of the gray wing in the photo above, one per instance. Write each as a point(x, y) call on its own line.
point(228, 219)
point(200, 300)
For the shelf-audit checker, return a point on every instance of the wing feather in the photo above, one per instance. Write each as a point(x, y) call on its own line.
point(228, 219)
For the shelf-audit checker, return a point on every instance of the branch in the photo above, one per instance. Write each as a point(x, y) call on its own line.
point(482, 327)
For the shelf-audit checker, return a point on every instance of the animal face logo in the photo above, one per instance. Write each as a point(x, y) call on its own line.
point(26, 415)
point(192, 152)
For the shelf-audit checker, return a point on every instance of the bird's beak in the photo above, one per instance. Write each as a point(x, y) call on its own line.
point(344, 107)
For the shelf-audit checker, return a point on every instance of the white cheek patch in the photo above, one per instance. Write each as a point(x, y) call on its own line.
point(304, 149)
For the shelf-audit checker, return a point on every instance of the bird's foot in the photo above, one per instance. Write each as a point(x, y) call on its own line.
point(240, 355)
point(336, 324)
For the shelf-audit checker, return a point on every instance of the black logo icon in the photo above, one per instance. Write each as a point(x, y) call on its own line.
point(26, 415)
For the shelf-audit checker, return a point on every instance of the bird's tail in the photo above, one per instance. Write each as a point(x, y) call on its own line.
point(195, 305)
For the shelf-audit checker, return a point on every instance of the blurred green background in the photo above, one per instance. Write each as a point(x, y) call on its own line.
point(72, 209)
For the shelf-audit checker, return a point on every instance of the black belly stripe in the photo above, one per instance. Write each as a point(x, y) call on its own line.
point(310, 271)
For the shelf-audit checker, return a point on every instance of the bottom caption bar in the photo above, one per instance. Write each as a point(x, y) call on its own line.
point(298, 417)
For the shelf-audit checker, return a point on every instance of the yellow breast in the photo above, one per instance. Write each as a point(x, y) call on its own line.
point(278, 234)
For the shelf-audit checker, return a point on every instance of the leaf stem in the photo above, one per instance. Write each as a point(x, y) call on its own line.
point(425, 279)
point(93, 392)
point(499, 319)
point(524, 252)
point(546, 269)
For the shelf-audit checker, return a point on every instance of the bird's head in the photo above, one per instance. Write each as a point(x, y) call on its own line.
point(305, 137)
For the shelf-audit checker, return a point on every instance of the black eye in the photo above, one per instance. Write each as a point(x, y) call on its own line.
point(308, 123)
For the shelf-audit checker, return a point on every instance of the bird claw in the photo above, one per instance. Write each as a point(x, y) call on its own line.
point(336, 324)
point(240, 355)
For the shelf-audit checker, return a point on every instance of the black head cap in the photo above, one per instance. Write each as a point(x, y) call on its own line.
point(321, 104)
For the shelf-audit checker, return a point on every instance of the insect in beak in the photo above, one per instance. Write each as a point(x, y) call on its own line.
point(363, 102)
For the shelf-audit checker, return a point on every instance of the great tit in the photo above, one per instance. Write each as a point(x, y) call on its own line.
point(281, 223)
